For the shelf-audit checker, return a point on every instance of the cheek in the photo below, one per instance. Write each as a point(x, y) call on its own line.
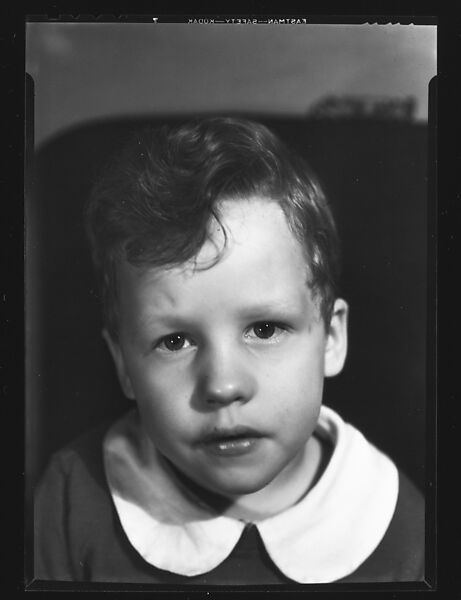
point(296, 421)
point(296, 388)
point(151, 379)
point(162, 395)
point(297, 411)
point(300, 371)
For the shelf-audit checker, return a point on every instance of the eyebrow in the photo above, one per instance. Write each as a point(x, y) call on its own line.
point(275, 309)
point(270, 308)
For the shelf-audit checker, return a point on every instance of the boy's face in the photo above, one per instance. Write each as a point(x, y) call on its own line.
point(227, 363)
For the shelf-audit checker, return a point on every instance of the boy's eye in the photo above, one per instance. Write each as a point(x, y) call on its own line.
point(266, 330)
point(174, 342)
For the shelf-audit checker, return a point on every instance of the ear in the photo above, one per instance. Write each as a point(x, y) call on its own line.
point(336, 346)
point(120, 366)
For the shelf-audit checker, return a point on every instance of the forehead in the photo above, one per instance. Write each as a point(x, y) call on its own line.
point(260, 261)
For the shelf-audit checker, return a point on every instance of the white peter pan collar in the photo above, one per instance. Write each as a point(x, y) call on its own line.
point(324, 537)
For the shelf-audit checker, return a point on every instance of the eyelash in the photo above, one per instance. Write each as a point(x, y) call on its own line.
point(161, 344)
point(279, 328)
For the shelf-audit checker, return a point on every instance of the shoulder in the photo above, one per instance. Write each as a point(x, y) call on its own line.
point(71, 499)
point(409, 512)
point(73, 480)
point(400, 554)
point(392, 507)
point(406, 534)
point(78, 461)
point(72, 495)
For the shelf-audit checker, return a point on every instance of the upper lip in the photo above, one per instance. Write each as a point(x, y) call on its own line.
point(239, 431)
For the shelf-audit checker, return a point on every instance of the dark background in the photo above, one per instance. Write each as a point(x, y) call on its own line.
point(375, 172)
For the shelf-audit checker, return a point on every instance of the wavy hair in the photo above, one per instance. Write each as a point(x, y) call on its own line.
point(153, 203)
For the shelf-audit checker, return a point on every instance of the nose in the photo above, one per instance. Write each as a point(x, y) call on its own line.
point(225, 377)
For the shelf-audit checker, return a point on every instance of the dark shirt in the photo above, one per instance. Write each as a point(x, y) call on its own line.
point(78, 535)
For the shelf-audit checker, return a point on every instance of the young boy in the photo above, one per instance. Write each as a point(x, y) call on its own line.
point(218, 256)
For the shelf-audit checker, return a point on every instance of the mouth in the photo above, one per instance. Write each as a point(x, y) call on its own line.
point(231, 442)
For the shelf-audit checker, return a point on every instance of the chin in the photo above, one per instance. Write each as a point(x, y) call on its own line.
point(238, 485)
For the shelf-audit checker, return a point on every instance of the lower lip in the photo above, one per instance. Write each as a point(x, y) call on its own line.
point(233, 447)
